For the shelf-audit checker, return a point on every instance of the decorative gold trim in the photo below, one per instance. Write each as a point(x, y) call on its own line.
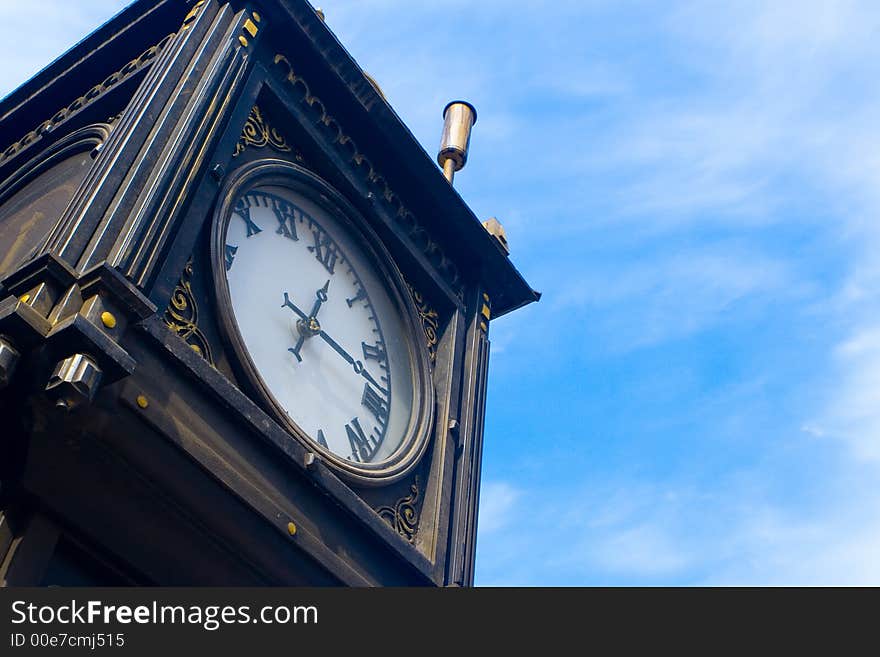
point(259, 134)
point(251, 27)
point(182, 316)
point(430, 322)
point(403, 516)
point(485, 313)
point(362, 165)
point(193, 14)
point(65, 113)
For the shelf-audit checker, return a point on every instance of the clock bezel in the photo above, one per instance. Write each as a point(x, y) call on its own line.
point(280, 173)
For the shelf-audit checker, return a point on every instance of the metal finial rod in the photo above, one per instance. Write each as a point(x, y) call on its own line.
point(449, 169)
point(459, 117)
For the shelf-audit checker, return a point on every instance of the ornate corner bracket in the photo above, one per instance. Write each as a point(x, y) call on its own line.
point(258, 133)
point(403, 516)
point(182, 316)
point(430, 322)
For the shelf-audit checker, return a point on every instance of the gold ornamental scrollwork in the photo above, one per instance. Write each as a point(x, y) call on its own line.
point(361, 164)
point(139, 63)
point(403, 516)
point(430, 322)
point(182, 316)
point(259, 134)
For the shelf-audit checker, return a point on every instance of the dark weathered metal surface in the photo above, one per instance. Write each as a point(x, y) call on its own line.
point(169, 468)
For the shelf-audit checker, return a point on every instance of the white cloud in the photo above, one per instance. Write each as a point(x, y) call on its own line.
point(497, 506)
point(639, 533)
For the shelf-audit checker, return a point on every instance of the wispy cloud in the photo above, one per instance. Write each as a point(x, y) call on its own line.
point(497, 506)
point(769, 135)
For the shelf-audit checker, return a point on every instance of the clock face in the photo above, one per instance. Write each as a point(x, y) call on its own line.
point(323, 326)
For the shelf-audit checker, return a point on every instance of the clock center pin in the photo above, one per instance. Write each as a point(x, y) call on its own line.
point(308, 328)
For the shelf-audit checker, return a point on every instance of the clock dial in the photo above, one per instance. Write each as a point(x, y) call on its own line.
point(322, 325)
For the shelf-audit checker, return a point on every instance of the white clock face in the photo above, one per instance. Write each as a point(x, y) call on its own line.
point(320, 324)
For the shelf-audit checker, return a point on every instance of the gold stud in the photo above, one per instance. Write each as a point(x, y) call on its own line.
point(108, 319)
point(24, 298)
point(142, 401)
point(243, 41)
point(196, 348)
point(256, 16)
point(291, 528)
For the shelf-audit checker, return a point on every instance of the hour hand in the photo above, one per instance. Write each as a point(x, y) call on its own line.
point(293, 307)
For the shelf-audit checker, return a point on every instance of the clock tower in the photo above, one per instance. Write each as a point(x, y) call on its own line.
point(244, 316)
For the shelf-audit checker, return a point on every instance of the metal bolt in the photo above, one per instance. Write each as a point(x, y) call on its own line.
point(291, 528)
point(108, 319)
point(142, 401)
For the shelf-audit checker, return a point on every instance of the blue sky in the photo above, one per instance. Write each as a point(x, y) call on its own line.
point(695, 188)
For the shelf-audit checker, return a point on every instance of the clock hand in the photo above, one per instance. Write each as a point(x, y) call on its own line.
point(299, 344)
point(321, 298)
point(292, 306)
point(306, 326)
point(356, 364)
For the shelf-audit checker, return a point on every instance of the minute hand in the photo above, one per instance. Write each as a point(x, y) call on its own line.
point(356, 364)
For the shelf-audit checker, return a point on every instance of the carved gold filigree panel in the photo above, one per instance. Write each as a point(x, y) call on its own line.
point(182, 316)
point(430, 322)
point(403, 516)
point(258, 133)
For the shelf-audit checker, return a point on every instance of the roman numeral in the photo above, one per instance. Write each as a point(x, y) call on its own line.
point(361, 448)
point(324, 250)
point(230, 255)
point(362, 294)
point(243, 209)
point(374, 352)
point(376, 404)
point(286, 215)
point(322, 441)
